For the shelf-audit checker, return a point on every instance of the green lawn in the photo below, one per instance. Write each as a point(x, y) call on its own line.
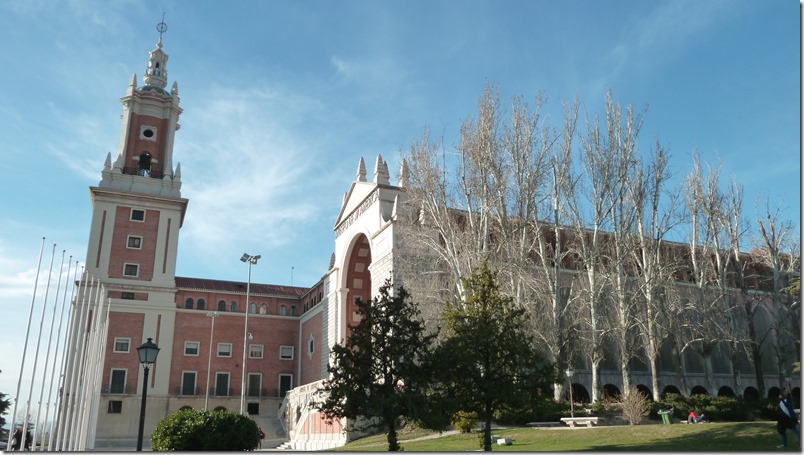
point(723, 437)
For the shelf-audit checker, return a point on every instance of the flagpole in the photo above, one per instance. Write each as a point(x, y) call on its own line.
point(47, 354)
point(55, 357)
point(36, 353)
point(79, 328)
point(63, 376)
point(25, 346)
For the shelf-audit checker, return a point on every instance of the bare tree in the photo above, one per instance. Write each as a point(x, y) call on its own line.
point(774, 238)
point(655, 217)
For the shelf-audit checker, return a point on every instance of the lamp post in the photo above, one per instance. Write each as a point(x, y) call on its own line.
point(147, 353)
point(213, 315)
point(250, 260)
point(570, 372)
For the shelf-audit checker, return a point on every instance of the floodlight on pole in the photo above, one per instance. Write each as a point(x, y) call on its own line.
point(251, 260)
point(147, 354)
point(213, 315)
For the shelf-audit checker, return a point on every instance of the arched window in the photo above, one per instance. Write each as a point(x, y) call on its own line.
point(144, 166)
point(282, 310)
point(201, 304)
point(221, 305)
point(252, 308)
point(263, 309)
point(233, 306)
point(293, 310)
point(188, 303)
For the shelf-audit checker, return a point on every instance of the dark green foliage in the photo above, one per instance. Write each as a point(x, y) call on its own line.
point(486, 363)
point(5, 403)
point(538, 409)
point(715, 408)
point(464, 421)
point(382, 370)
point(192, 430)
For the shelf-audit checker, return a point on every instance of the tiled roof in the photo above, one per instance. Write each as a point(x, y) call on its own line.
point(238, 287)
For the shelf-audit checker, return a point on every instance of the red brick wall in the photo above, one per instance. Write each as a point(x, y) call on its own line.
point(124, 325)
point(121, 254)
point(311, 365)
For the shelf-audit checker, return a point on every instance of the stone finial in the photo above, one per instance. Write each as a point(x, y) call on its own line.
point(133, 82)
point(361, 170)
point(381, 172)
point(107, 166)
point(177, 174)
point(332, 261)
point(404, 175)
point(175, 89)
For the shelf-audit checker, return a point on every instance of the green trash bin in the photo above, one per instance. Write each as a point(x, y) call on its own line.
point(665, 416)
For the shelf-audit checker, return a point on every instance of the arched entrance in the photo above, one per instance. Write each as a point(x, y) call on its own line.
point(358, 279)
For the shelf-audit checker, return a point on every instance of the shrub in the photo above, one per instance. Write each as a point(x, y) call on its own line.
point(635, 405)
point(192, 430)
point(464, 421)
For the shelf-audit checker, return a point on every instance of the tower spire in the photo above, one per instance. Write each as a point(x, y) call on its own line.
point(156, 73)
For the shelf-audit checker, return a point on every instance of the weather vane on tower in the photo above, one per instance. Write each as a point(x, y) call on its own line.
point(161, 27)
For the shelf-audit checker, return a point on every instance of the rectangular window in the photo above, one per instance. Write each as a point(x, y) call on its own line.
point(253, 408)
point(117, 382)
point(255, 351)
point(221, 384)
point(134, 242)
point(285, 384)
point(286, 352)
point(115, 407)
point(127, 295)
point(131, 270)
point(137, 215)
point(254, 384)
point(190, 348)
point(188, 383)
point(224, 349)
point(122, 344)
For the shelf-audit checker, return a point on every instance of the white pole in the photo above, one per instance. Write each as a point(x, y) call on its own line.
point(213, 315)
point(245, 342)
point(81, 331)
point(36, 354)
point(65, 433)
point(25, 346)
point(58, 402)
point(47, 359)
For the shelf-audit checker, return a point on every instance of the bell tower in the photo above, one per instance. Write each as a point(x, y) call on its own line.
point(137, 206)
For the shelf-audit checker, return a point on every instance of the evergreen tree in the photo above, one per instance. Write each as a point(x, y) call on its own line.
point(5, 403)
point(379, 374)
point(487, 361)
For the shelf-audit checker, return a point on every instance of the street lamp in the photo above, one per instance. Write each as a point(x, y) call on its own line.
point(570, 372)
point(250, 260)
point(213, 315)
point(147, 352)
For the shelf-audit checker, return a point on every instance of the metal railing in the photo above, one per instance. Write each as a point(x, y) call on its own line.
point(117, 389)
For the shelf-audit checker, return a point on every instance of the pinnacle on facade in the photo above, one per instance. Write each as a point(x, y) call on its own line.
point(404, 176)
point(381, 176)
point(361, 170)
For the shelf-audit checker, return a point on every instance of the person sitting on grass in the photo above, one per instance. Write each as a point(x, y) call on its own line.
point(695, 418)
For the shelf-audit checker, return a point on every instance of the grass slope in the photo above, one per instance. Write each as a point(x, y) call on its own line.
point(720, 437)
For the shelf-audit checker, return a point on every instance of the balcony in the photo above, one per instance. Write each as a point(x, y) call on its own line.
point(133, 170)
point(117, 389)
point(187, 391)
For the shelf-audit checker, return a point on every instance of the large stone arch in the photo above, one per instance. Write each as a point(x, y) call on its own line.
point(356, 278)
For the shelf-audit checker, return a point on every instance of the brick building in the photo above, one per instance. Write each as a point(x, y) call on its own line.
point(200, 324)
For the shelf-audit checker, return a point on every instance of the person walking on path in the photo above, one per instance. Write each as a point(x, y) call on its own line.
point(788, 419)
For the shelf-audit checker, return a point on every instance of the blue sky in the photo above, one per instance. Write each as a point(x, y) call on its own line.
point(282, 98)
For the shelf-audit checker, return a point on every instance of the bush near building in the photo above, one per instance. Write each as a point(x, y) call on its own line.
point(192, 430)
point(729, 409)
